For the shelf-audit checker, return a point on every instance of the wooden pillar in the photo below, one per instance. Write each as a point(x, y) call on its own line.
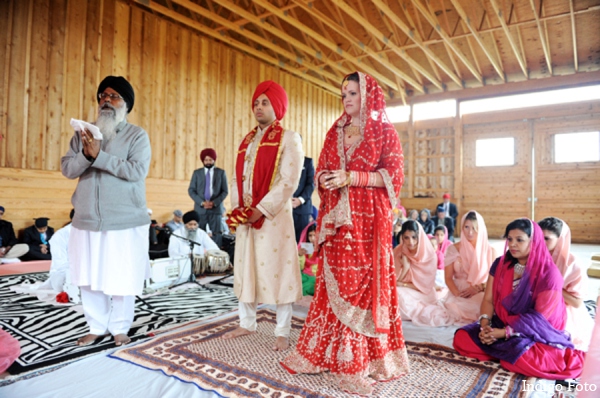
point(458, 161)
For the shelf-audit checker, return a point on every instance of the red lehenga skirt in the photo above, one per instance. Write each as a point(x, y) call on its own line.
point(339, 334)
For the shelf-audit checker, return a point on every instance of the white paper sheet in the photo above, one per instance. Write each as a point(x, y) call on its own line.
point(80, 125)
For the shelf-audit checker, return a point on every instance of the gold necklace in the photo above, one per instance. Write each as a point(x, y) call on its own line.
point(351, 131)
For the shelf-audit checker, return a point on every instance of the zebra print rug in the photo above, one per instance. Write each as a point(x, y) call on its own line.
point(47, 333)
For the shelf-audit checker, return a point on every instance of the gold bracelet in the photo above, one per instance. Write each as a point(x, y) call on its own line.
point(348, 179)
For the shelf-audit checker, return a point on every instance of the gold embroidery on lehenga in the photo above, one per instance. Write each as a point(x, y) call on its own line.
point(345, 353)
point(355, 318)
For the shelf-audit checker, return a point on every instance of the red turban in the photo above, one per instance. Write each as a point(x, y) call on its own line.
point(208, 152)
point(446, 196)
point(276, 94)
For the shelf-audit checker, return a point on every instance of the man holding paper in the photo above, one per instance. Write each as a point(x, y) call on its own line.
point(108, 244)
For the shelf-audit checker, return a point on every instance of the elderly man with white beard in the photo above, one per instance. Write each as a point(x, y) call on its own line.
point(108, 244)
point(179, 247)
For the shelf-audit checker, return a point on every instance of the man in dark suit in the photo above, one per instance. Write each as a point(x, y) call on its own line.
point(449, 208)
point(301, 200)
point(208, 189)
point(37, 237)
point(10, 248)
point(442, 219)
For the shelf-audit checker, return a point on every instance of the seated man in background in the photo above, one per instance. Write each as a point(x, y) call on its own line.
point(10, 248)
point(449, 208)
point(37, 237)
point(441, 219)
point(158, 240)
point(190, 230)
point(176, 222)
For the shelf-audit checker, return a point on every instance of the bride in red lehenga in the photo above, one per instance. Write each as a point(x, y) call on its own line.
point(353, 328)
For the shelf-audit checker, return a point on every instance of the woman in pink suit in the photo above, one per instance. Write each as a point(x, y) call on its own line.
point(416, 266)
point(557, 236)
point(467, 266)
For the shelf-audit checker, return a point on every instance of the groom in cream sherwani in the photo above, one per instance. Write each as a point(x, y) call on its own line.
point(268, 167)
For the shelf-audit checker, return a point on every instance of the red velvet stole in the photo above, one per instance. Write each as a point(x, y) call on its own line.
point(267, 160)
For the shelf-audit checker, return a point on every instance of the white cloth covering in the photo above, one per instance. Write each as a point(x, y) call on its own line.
point(59, 245)
point(284, 318)
point(106, 314)
point(179, 247)
point(114, 262)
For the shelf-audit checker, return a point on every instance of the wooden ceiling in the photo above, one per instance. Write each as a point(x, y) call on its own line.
point(412, 47)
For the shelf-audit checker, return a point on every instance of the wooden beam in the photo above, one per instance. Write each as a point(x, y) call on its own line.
point(332, 46)
point(282, 35)
point(357, 43)
point(234, 43)
point(243, 21)
point(352, 13)
point(511, 88)
point(574, 33)
point(511, 40)
point(470, 44)
point(256, 38)
point(416, 38)
point(542, 38)
point(447, 40)
point(478, 39)
point(490, 29)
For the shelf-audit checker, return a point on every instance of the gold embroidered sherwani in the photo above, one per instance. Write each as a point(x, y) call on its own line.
point(266, 266)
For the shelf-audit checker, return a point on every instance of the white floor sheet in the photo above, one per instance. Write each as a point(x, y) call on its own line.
point(100, 376)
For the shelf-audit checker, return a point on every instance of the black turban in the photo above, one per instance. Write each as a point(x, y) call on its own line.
point(41, 222)
point(191, 216)
point(121, 86)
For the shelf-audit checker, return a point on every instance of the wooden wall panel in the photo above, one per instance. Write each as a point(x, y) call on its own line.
point(191, 93)
point(569, 191)
point(499, 194)
point(42, 193)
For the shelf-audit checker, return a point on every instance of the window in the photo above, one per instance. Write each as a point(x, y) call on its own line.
point(434, 110)
point(495, 152)
point(398, 114)
point(577, 147)
point(531, 99)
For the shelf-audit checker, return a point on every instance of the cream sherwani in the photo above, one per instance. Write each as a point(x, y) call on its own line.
point(266, 266)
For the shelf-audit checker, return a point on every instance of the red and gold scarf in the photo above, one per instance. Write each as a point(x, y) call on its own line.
point(263, 174)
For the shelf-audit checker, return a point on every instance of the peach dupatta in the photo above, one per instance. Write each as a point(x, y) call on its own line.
point(476, 261)
point(575, 279)
point(423, 263)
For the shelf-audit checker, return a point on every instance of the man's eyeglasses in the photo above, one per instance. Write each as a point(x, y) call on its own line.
point(113, 97)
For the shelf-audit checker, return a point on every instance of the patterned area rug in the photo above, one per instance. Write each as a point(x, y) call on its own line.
point(47, 333)
point(232, 368)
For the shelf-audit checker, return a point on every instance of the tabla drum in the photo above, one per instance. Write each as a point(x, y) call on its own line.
point(199, 264)
point(216, 262)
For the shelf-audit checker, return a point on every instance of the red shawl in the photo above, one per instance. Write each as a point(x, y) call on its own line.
point(263, 174)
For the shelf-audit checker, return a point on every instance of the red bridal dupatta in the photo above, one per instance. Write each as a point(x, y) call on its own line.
point(267, 154)
point(364, 310)
point(353, 326)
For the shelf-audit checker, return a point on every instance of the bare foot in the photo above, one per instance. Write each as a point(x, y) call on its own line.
point(281, 344)
point(122, 339)
point(87, 339)
point(237, 332)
